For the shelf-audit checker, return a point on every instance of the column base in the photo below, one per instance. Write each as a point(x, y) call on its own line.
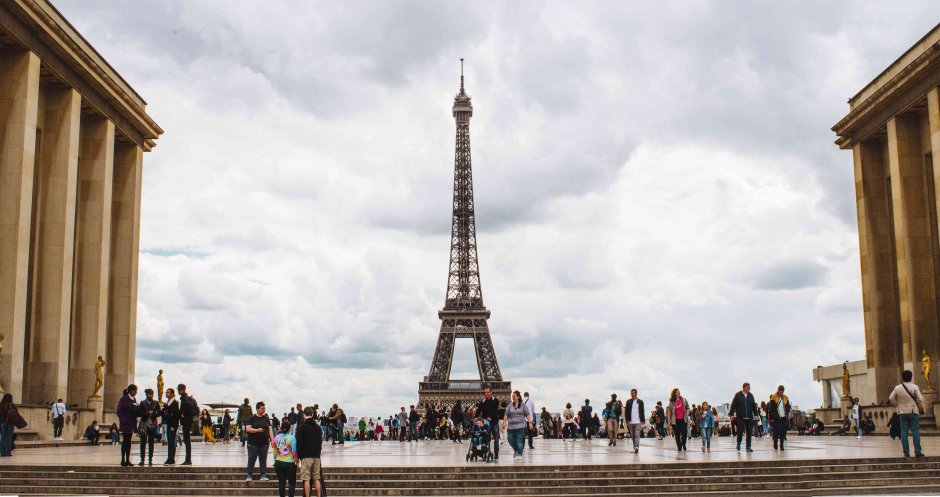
point(929, 399)
point(96, 403)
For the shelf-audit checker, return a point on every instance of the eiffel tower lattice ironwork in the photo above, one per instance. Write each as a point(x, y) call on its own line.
point(463, 315)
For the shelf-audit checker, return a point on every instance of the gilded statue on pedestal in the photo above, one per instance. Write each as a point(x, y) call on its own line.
point(925, 369)
point(846, 386)
point(99, 376)
point(160, 387)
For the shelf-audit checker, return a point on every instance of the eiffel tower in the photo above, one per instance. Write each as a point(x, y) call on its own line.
point(463, 315)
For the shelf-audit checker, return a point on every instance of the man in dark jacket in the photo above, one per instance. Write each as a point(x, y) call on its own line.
point(635, 414)
point(244, 412)
point(743, 411)
point(413, 418)
point(488, 409)
point(189, 411)
point(149, 425)
point(309, 444)
point(585, 418)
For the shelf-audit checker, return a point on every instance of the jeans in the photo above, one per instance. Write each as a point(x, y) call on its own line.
point(661, 429)
point(146, 439)
point(586, 429)
point(745, 427)
point(57, 423)
point(858, 427)
point(707, 437)
point(517, 440)
point(286, 476)
point(413, 426)
point(339, 433)
point(494, 436)
point(912, 422)
point(126, 439)
point(681, 431)
point(259, 452)
point(6, 439)
point(171, 444)
point(530, 434)
point(634, 430)
point(187, 432)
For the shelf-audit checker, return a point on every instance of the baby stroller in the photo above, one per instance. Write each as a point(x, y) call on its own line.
point(480, 442)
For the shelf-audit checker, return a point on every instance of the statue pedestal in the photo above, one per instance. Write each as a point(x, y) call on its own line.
point(96, 402)
point(929, 399)
point(845, 405)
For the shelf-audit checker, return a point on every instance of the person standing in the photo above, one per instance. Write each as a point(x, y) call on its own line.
point(518, 419)
point(568, 418)
point(778, 411)
point(856, 417)
point(413, 418)
point(678, 413)
point(9, 415)
point(910, 403)
point(636, 416)
point(612, 419)
point(126, 410)
point(309, 446)
point(189, 412)
point(489, 411)
point(58, 419)
point(584, 415)
point(226, 426)
point(171, 422)
point(285, 446)
point(149, 425)
point(743, 411)
point(706, 426)
point(292, 419)
point(530, 405)
point(339, 419)
point(660, 421)
point(258, 428)
point(244, 412)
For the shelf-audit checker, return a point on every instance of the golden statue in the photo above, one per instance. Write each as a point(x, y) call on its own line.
point(99, 376)
point(160, 387)
point(846, 387)
point(925, 369)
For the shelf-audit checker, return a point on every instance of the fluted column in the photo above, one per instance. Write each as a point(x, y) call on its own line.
point(125, 247)
point(92, 254)
point(913, 241)
point(54, 229)
point(19, 101)
point(879, 270)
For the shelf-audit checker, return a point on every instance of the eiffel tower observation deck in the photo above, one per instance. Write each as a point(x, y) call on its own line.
point(463, 315)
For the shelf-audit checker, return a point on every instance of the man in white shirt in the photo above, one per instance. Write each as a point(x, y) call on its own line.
point(531, 406)
point(636, 416)
point(58, 419)
point(908, 398)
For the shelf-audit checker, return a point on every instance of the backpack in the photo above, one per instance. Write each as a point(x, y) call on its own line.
point(342, 417)
point(190, 407)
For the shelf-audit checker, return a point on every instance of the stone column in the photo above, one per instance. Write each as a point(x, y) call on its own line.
point(54, 228)
point(19, 101)
point(879, 269)
point(125, 248)
point(912, 240)
point(92, 255)
point(932, 344)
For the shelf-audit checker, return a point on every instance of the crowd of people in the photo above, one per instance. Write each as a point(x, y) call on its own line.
point(297, 437)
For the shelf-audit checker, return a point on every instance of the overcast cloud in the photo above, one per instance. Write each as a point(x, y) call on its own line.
point(660, 203)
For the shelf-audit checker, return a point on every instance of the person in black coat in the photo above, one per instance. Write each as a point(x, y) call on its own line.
point(743, 411)
point(634, 419)
point(309, 446)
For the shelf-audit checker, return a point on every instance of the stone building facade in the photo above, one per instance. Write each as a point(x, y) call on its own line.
point(72, 139)
point(893, 131)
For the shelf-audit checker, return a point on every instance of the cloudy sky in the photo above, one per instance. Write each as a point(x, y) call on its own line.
point(659, 199)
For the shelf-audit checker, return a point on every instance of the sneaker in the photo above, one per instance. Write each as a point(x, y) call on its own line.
point(739, 448)
point(703, 447)
point(248, 478)
point(187, 463)
point(141, 463)
point(636, 450)
point(919, 455)
point(859, 437)
point(750, 449)
point(264, 478)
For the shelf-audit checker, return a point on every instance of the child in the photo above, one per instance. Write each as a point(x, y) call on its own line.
point(706, 425)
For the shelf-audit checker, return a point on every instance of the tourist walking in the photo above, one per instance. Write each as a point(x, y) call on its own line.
point(530, 405)
point(706, 424)
point(9, 420)
point(488, 409)
point(778, 410)
point(171, 423)
point(660, 421)
point(584, 416)
point(126, 414)
point(910, 403)
point(205, 422)
point(149, 425)
point(285, 455)
point(677, 414)
point(635, 415)
point(518, 419)
point(743, 411)
point(189, 411)
point(612, 419)
point(244, 412)
point(58, 419)
point(226, 428)
point(258, 428)
point(309, 446)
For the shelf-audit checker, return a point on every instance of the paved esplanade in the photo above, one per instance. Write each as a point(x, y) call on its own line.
point(547, 452)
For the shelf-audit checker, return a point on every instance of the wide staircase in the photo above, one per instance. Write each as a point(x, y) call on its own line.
point(779, 478)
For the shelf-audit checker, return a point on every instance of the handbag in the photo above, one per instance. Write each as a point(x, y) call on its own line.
point(20, 423)
point(920, 410)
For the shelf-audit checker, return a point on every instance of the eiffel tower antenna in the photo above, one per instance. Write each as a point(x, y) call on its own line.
point(463, 315)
